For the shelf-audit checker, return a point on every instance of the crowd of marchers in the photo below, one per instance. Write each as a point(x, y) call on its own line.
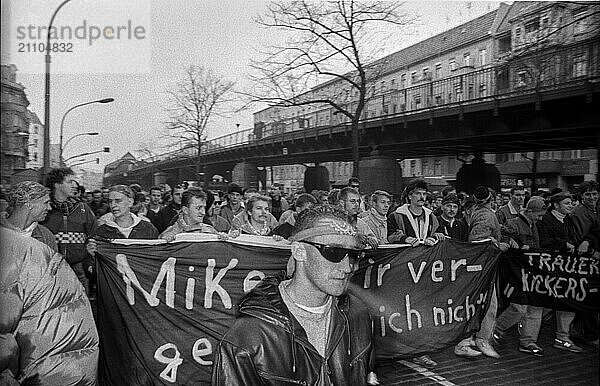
point(69, 222)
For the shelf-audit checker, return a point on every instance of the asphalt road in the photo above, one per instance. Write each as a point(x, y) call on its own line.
point(513, 368)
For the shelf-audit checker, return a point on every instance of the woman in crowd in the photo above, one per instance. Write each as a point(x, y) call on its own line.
point(556, 233)
point(255, 219)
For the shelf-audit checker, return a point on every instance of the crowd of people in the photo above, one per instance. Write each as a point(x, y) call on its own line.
point(327, 230)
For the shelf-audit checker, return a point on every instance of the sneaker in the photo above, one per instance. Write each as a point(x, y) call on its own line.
point(532, 349)
point(463, 350)
point(566, 346)
point(425, 361)
point(486, 348)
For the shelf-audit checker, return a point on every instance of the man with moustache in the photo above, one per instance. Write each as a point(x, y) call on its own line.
point(413, 223)
point(305, 329)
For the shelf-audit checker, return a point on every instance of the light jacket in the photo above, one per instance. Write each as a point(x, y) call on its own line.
point(268, 346)
point(47, 328)
point(398, 231)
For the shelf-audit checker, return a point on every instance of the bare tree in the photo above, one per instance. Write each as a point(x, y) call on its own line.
point(333, 40)
point(194, 102)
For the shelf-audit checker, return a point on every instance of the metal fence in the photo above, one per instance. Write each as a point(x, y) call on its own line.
point(511, 75)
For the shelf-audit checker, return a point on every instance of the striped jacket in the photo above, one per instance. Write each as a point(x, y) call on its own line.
point(72, 231)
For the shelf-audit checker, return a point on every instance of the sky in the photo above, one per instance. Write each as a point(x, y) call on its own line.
point(156, 40)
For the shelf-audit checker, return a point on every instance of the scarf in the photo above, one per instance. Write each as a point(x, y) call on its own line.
point(559, 216)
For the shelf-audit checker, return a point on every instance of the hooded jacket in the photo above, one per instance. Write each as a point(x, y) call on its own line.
point(268, 346)
point(142, 229)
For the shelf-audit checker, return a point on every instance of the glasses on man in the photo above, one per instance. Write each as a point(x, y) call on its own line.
point(337, 254)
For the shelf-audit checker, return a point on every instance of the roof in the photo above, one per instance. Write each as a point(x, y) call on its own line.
point(474, 30)
point(33, 118)
point(471, 31)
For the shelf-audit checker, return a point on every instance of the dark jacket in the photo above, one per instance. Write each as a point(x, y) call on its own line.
point(268, 346)
point(586, 226)
point(555, 235)
point(164, 217)
point(522, 231)
point(142, 230)
point(459, 230)
point(72, 231)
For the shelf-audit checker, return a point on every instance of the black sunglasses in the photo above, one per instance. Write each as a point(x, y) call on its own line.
point(337, 254)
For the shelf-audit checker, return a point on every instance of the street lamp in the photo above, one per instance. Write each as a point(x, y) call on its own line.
point(78, 135)
point(46, 165)
point(104, 150)
point(62, 121)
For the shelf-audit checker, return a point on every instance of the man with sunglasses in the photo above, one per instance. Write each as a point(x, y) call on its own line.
point(304, 329)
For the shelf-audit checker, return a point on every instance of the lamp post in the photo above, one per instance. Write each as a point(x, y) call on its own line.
point(104, 150)
point(46, 165)
point(75, 136)
point(62, 121)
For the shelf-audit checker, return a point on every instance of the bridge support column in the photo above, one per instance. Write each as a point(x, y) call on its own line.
point(160, 178)
point(379, 172)
point(245, 174)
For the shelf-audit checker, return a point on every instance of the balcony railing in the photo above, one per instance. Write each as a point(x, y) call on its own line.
point(514, 76)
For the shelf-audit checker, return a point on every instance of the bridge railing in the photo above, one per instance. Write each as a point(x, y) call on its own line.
point(512, 76)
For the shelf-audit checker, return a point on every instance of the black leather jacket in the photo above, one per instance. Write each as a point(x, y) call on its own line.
point(268, 346)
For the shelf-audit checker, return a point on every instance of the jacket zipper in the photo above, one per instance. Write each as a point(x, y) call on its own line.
point(281, 379)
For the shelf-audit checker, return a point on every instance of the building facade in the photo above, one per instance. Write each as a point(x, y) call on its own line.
point(519, 46)
point(35, 145)
point(14, 124)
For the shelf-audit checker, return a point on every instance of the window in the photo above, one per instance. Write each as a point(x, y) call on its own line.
point(532, 25)
point(467, 59)
point(545, 20)
point(403, 81)
point(417, 100)
point(579, 66)
point(452, 64)
point(482, 57)
point(413, 167)
point(482, 89)
point(413, 77)
point(579, 26)
point(393, 84)
point(438, 70)
point(521, 79)
point(437, 167)
point(518, 35)
point(575, 154)
point(425, 167)
point(382, 87)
